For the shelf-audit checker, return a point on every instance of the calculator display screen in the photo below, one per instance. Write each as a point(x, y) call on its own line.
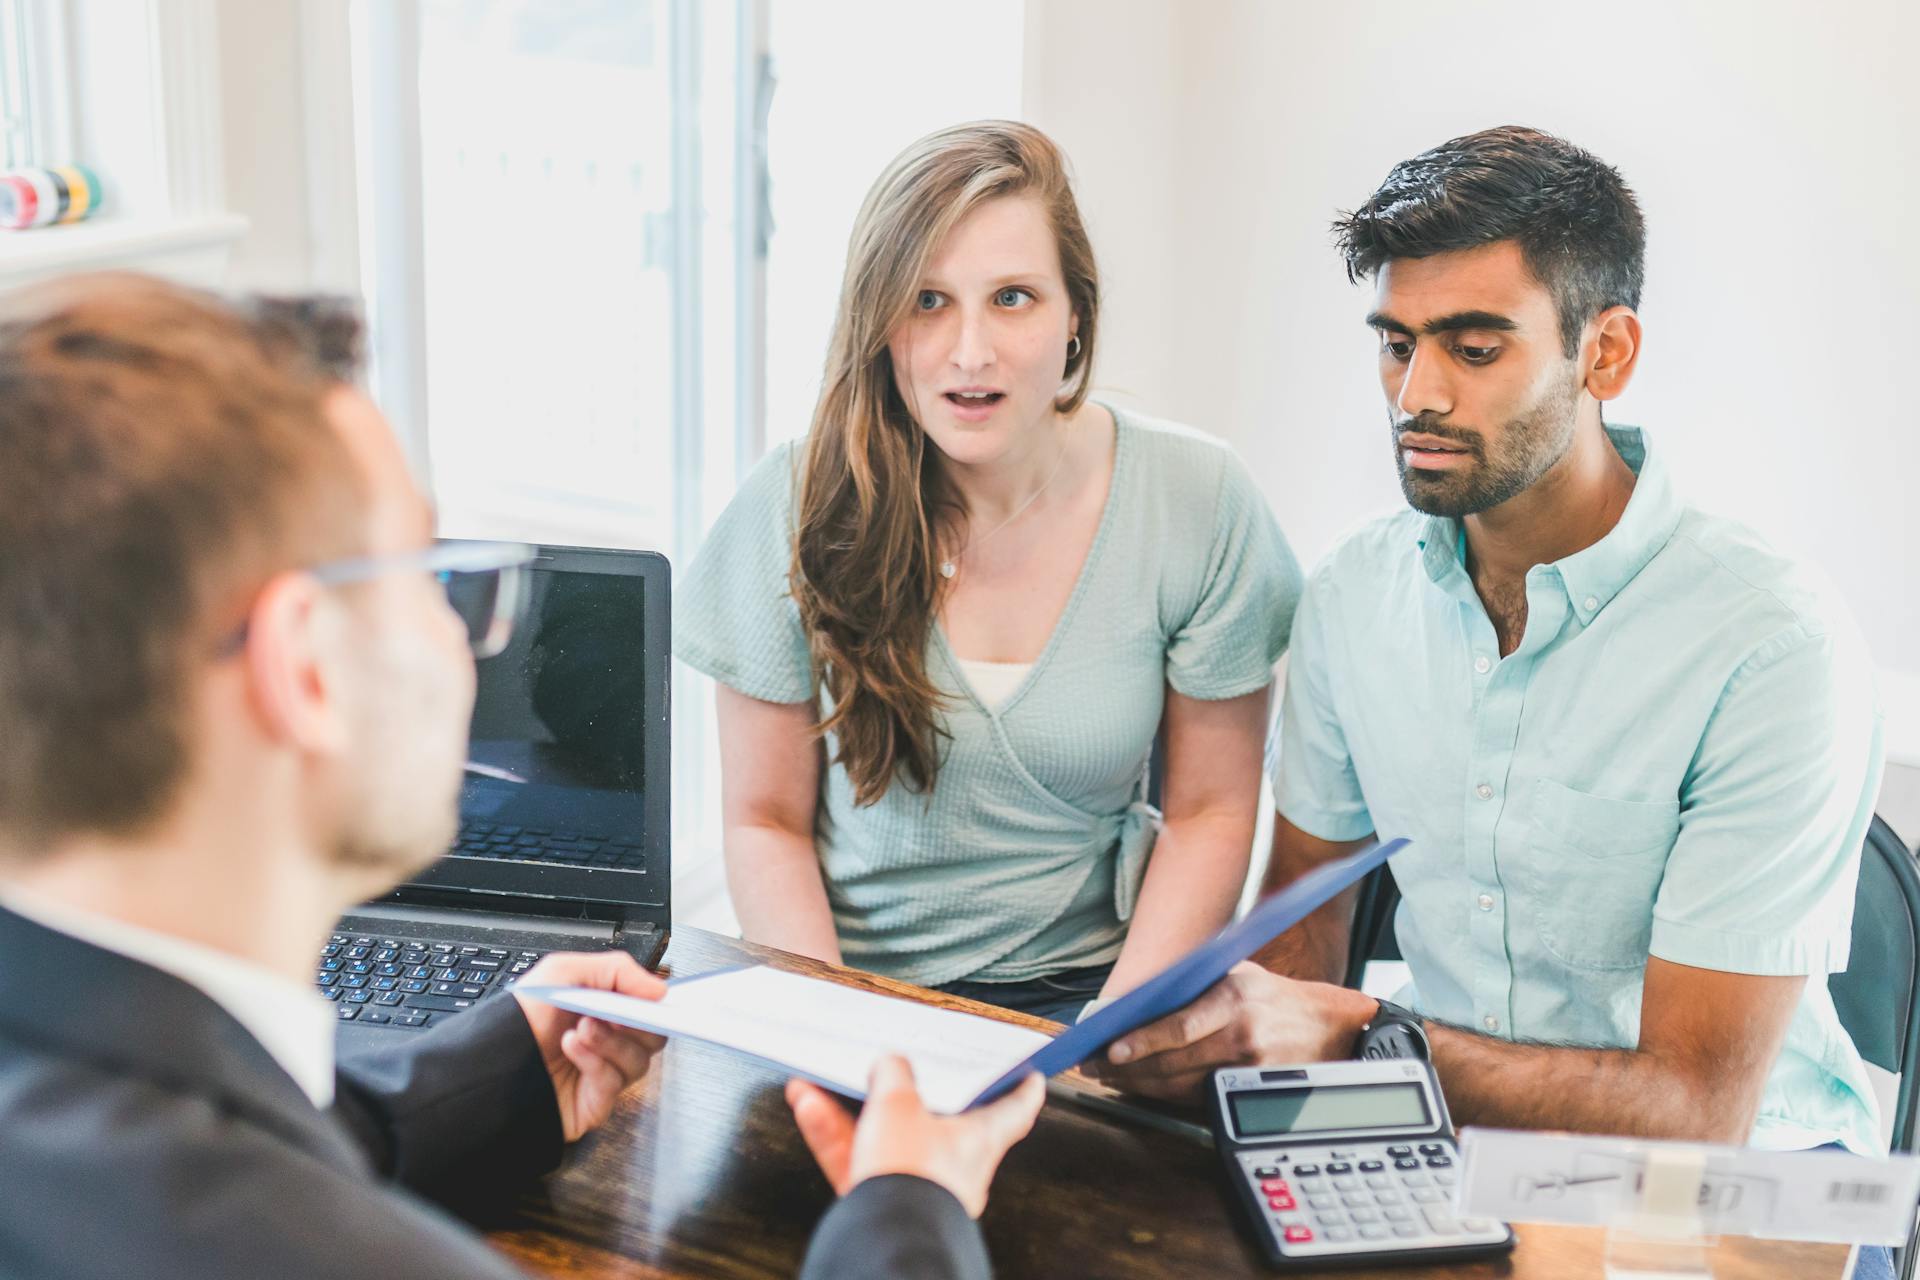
point(1266, 1113)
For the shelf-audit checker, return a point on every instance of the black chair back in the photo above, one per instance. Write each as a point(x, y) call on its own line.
point(1876, 996)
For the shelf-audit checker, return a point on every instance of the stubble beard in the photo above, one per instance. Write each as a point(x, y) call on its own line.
point(1529, 445)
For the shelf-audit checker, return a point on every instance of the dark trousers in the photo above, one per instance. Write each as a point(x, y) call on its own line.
point(1059, 996)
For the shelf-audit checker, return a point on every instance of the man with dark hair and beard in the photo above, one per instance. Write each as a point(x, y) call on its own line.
point(1635, 750)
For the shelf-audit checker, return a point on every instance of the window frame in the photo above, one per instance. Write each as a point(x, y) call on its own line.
point(380, 49)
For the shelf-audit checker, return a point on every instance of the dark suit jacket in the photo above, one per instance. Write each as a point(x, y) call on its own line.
point(144, 1132)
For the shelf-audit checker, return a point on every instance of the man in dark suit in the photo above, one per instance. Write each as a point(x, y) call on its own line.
point(208, 750)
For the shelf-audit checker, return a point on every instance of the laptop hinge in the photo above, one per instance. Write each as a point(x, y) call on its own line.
point(510, 915)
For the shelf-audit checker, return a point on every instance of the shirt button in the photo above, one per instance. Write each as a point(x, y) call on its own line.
point(1590, 604)
point(1484, 791)
point(1482, 664)
point(1486, 902)
point(1490, 1022)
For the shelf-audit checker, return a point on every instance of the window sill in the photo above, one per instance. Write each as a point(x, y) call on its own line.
point(194, 249)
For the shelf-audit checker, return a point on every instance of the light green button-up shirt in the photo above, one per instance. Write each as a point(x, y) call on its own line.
point(1678, 760)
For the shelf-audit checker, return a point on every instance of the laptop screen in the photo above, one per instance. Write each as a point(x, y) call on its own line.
point(566, 756)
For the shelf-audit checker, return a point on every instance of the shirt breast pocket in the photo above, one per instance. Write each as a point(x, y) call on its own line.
point(1596, 866)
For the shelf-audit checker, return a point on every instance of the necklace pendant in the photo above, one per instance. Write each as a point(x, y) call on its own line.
point(946, 569)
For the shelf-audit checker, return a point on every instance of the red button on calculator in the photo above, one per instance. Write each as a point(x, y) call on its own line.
point(1276, 1187)
point(1299, 1235)
point(1280, 1202)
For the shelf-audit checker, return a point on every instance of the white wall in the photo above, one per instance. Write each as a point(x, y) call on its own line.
point(1772, 144)
point(872, 75)
point(262, 115)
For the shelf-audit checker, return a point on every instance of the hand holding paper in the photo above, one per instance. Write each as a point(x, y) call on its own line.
point(897, 1134)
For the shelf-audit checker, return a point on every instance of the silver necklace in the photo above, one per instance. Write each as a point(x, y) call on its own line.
point(950, 567)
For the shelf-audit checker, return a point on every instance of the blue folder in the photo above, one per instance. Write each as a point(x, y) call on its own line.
point(1188, 978)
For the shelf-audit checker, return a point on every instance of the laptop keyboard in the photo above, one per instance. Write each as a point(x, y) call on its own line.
point(411, 983)
point(544, 844)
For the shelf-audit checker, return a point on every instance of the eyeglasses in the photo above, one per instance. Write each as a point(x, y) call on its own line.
point(484, 582)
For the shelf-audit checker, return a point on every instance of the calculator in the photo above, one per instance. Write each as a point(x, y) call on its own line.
point(1346, 1162)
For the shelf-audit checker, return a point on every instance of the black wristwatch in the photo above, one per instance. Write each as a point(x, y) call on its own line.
point(1393, 1032)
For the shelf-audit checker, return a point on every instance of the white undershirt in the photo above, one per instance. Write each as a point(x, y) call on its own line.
point(993, 682)
point(289, 1019)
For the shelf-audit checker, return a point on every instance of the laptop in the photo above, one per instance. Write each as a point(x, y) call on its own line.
point(563, 842)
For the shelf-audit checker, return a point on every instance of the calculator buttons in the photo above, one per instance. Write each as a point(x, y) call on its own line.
point(1370, 1199)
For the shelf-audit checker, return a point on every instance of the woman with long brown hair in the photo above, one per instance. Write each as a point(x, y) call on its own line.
point(948, 625)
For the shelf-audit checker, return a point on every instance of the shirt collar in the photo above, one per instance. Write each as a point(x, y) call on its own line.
point(289, 1019)
point(1595, 575)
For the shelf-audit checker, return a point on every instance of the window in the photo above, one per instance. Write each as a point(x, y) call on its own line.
point(565, 288)
point(16, 114)
point(560, 289)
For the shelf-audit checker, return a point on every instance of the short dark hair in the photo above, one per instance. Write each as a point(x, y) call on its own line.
point(163, 453)
point(1575, 219)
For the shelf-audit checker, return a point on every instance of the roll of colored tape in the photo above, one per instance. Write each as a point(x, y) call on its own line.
point(48, 194)
point(63, 194)
point(19, 202)
point(83, 189)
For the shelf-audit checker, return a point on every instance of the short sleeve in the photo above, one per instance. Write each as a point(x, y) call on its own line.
point(1251, 585)
point(1773, 813)
point(734, 614)
point(1315, 786)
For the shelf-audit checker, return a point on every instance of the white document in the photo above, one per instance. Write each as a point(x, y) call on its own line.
point(827, 1032)
point(1827, 1196)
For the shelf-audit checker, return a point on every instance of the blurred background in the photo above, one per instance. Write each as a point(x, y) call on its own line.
point(600, 241)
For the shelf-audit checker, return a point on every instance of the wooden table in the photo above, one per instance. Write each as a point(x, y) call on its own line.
point(700, 1172)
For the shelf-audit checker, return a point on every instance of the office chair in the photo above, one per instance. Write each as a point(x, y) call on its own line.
point(1877, 998)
